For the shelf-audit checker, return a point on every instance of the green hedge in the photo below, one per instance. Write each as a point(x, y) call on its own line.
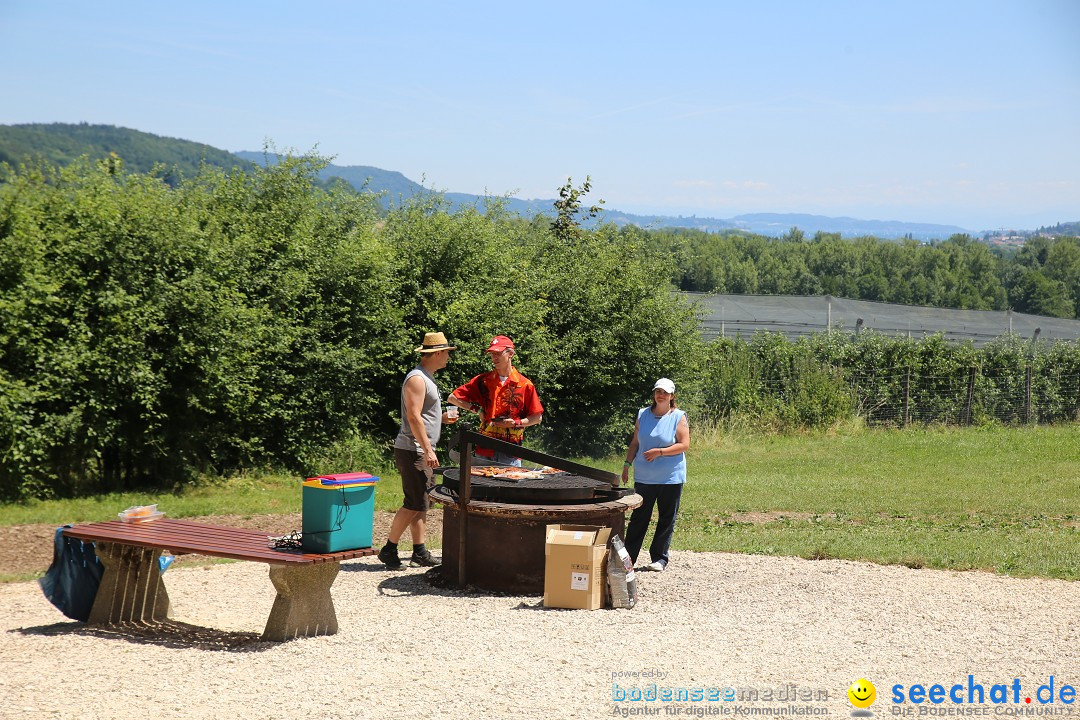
point(151, 334)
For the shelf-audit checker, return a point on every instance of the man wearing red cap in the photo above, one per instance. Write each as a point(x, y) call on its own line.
point(505, 399)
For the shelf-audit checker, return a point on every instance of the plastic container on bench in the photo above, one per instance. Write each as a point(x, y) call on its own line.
point(337, 517)
point(140, 514)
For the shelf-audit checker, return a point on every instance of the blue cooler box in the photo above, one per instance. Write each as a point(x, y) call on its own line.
point(337, 517)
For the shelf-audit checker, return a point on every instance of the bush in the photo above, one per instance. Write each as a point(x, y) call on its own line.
point(612, 326)
point(153, 334)
point(821, 379)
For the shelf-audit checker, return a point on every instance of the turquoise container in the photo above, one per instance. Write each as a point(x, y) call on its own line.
point(337, 518)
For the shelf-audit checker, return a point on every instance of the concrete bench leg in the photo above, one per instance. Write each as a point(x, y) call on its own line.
point(131, 589)
point(303, 606)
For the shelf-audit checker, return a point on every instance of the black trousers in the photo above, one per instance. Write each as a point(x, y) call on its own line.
point(666, 498)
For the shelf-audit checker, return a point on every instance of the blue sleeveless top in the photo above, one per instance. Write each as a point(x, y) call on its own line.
point(658, 432)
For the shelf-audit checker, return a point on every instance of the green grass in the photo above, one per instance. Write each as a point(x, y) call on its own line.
point(1006, 500)
point(1000, 499)
point(250, 494)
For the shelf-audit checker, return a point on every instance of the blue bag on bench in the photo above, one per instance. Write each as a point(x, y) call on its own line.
point(71, 582)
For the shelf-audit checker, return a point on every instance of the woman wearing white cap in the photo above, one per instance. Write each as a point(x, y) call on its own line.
point(657, 453)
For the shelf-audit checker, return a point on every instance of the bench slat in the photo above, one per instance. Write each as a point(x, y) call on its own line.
point(179, 530)
point(185, 536)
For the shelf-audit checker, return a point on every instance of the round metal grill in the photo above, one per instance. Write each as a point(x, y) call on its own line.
point(553, 488)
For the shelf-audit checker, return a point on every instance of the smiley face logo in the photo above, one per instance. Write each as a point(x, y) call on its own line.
point(862, 693)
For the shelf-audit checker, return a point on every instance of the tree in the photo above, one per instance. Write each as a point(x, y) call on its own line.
point(566, 226)
point(1063, 265)
point(1039, 295)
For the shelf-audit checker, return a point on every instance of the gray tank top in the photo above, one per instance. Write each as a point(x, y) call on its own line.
point(431, 413)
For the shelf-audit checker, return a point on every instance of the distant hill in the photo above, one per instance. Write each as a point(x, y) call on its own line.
point(393, 183)
point(397, 187)
point(693, 222)
point(60, 143)
point(779, 223)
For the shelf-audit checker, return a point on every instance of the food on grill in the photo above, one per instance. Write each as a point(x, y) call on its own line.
point(505, 473)
point(515, 473)
point(519, 474)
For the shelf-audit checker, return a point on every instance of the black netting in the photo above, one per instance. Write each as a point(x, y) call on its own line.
point(798, 315)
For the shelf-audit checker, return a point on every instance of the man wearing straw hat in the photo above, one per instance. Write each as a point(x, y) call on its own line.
point(414, 450)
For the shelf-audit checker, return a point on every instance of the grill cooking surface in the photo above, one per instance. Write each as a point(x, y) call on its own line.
point(554, 488)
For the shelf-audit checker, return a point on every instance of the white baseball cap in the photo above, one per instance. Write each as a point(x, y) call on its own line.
point(665, 385)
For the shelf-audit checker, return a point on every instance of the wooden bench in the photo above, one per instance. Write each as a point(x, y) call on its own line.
point(131, 588)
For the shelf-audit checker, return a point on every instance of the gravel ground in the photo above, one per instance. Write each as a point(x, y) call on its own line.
point(409, 649)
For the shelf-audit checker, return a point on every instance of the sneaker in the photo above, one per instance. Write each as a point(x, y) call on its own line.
point(424, 559)
point(389, 557)
point(656, 566)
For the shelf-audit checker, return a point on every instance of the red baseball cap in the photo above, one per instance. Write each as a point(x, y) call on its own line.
point(500, 343)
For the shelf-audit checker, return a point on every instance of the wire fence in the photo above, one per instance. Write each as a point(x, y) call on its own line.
point(820, 379)
point(903, 397)
point(796, 316)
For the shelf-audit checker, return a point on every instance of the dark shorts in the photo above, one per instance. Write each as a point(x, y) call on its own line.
point(416, 478)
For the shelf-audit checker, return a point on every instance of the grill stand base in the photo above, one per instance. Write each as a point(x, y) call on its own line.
point(505, 543)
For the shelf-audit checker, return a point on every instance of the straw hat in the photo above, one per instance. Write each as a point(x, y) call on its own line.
point(434, 342)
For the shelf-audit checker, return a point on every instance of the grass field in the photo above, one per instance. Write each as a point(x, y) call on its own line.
point(998, 499)
point(1006, 500)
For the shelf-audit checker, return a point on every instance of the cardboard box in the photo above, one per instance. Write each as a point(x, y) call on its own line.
point(574, 566)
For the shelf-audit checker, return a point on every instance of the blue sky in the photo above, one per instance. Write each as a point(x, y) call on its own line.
point(950, 111)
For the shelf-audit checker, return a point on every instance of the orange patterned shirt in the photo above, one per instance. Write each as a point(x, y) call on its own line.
point(516, 398)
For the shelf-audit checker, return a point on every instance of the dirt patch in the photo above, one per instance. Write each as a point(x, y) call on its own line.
point(28, 549)
point(764, 517)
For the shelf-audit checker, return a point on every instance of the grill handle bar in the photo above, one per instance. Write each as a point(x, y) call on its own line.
point(477, 440)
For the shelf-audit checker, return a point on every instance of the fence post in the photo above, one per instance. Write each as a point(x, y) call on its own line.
point(970, 396)
point(907, 396)
point(1076, 407)
point(1027, 375)
point(1027, 392)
